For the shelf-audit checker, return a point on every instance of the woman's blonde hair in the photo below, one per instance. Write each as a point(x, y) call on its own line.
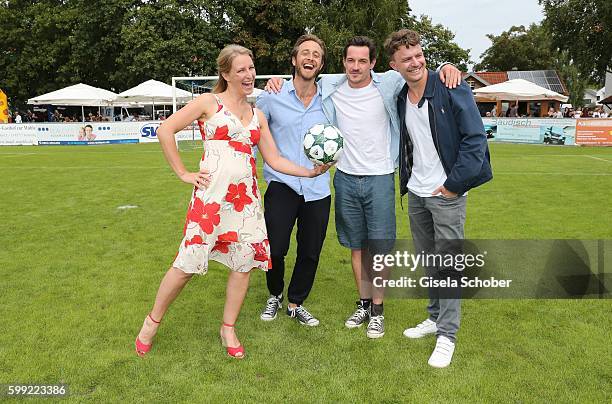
point(224, 63)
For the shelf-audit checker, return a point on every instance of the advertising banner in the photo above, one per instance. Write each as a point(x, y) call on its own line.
point(14, 134)
point(594, 132)
point(531, 130)
point(88, 133)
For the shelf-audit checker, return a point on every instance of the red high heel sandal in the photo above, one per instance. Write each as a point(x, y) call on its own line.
point(142, 349)
point(237, 352)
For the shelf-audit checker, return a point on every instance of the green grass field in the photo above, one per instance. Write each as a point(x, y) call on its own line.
point(79, 275)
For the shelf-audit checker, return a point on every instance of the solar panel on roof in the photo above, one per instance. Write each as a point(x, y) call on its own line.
point(544, 78)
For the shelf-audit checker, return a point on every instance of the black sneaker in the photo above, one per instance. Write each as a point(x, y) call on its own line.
point(376, 327)
point(302, 315)
point(359, 317)
point(272, 305)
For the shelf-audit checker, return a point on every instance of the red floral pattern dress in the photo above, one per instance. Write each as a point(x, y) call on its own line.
point(225, 222)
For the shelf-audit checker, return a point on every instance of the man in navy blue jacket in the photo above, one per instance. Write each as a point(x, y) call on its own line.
point(443, 154)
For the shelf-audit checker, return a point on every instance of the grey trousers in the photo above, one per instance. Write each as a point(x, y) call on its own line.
point(433, 220)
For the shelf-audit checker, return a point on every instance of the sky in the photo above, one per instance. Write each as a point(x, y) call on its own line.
point(472, 20)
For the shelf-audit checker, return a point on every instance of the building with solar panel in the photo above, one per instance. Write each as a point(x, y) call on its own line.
point(548, 79)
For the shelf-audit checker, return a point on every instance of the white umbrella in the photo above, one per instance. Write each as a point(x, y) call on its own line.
point(153, 92)
point(78, 94)
point(519, 90)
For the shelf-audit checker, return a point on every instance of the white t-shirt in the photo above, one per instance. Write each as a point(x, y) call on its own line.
point(427, 171)
point(364, 123)
point(18, 119)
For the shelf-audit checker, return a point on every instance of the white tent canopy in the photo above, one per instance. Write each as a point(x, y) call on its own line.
point(519, 90)
point(154, 92)
point(78, 94)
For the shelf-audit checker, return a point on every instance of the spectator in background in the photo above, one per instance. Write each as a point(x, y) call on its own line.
point(18, 117)
point(551, 112)
point(513, 111)
point(558, 114)
point(494, 111)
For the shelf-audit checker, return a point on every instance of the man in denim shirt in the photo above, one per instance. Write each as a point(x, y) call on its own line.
point(289, 199)
point(363, 106)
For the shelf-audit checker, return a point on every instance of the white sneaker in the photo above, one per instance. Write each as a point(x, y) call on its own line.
point(442, 354)
point(424, 329)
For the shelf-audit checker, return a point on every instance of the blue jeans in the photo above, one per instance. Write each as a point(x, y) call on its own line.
point(365, 208)
point(433, 219)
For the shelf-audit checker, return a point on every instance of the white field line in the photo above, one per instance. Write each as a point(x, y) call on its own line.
point(548, 155)
point(599, 158)
point(7, 155)
point(88, 168)
point(83, 152)
point(549, 173)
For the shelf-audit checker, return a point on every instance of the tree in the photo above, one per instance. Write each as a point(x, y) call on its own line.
point(438, 44)
point(35, 46)
point(95, 41)
point(583, 28)
point(165, 38)
point(337, 21)
point(269, 28)
point(518, 49)
point(531, 49)
point(116, 44)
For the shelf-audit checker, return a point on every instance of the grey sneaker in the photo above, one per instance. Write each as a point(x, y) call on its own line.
point(359, 317)
point(302, 315)
point(376, 327)
point(272, 305)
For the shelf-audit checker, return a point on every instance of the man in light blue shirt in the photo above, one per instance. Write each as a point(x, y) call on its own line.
point(291, 199)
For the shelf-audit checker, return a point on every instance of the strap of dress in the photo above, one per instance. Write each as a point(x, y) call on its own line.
point(219, 102)
point(256, 118)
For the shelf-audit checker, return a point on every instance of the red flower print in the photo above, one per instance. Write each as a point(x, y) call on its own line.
point(202, 129)
point(221, 133)
point(224, 240)
point(195, 240)
point(221, 246)
point(254, 188)
point(236, 194)
point(229, 236)
point(206, 216)
point(253, 167)
point(261, 253)
point(240, 147)
point(255, 134)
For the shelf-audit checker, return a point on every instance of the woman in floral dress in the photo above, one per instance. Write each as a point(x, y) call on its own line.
point(224, 221)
